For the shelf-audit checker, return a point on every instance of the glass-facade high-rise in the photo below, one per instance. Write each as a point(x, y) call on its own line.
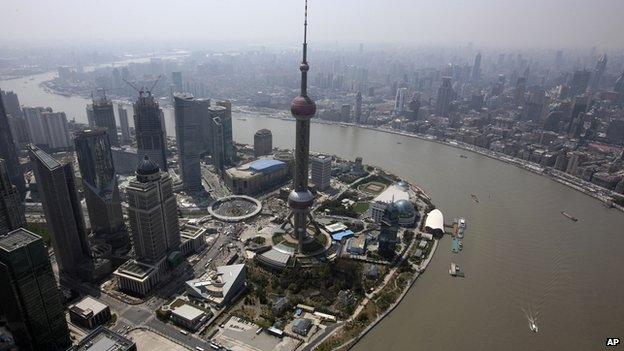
point(150, 130)
point(8, 152)
point(30, 297)
point(11, 208)
point(104, 117)
point(190, 114)
point(100, 186)
point(63, 213)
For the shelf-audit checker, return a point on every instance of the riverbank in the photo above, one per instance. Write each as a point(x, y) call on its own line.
point(592, 190)
point(601, 194)
point(335, 341)
point(423, 266)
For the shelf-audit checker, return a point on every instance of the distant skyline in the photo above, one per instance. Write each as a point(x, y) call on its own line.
point(506, 23)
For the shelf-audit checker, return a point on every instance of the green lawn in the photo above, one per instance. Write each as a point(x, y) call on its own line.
point(40, 229)
point(373, 187)
point(361, 207)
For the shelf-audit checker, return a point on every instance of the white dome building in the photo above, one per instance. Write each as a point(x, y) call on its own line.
point(435, 223)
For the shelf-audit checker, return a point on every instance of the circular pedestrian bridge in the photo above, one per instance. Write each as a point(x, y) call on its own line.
point(235, 208)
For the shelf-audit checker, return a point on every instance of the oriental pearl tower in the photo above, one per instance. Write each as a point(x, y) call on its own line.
point(303, 109)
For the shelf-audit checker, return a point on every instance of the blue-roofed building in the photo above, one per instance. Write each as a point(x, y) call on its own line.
point(343, 234)
point(257, 176)
point(266, 165)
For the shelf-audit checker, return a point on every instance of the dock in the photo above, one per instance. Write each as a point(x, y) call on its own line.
point(456, 245)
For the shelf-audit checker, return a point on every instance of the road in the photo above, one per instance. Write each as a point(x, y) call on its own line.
point(143, 315)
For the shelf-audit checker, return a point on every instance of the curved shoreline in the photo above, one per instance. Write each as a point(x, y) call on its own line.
point(555, 175)
point(349, 345)
point(592, 190)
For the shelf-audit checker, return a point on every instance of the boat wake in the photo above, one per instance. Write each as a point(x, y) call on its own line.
point(531, 319)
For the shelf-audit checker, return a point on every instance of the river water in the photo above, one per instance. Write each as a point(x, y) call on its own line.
point(520, 254)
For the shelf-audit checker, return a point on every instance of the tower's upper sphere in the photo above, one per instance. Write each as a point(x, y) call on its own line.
point(303, 107)
point(147, 167)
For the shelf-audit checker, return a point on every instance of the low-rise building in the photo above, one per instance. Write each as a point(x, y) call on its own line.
point(192, 239)
point(302, 326)
point(89, 313)
point(137, 277)
point(256, 177)
point(220, 287)
point(103, 339)
point(188, 316)
point(393, 193)
point(357, 245)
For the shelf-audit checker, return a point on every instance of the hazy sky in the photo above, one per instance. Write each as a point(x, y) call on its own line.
point(532, 23)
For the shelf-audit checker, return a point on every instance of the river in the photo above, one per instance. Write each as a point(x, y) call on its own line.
point(519, 253)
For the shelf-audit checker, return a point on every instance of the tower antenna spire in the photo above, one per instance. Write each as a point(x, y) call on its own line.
point(305, 32)
point(304, 63)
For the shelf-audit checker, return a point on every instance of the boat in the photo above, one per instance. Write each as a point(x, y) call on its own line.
point(474, 198)
point(533, 327)
point(461, 228)
point(455, 245)
point(398, 142)
point(569, 216)
point(463, 156)
point(532, 319)
point(455, 270)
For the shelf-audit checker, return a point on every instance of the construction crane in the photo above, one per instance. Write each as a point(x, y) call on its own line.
point(140, 91)
point(144, 89)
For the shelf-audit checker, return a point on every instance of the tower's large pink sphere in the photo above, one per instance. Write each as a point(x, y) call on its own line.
point(303, 107)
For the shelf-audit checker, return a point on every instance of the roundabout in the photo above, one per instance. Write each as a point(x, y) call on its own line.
point(235, 208)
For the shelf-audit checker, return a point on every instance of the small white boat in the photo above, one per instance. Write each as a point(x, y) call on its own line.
point(533, 327)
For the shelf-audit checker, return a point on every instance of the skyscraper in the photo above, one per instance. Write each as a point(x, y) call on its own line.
point(30, 298)
point(100, 186)
point(321, 171)
point(414, 107)
point(56, 130)
point(11, 208)
point(579, 82)
point(8, 152)
point(619, 88)
point(90, 116)
point(358, 107)
point(47, 128)
point(19, 131)
point(218, 145)
point(303, 109)
point(123, 123)
point(228, 139)
point(400, 101)
point(149, 129)
point(534, 106)
point(152, 213)
point(476, 69)
point(519, 91)
point(263, 142)
point(445, 96)
point(601, 66)
point(104, 117)
point(11, 103)
point(61, 205)
point(189, 116)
